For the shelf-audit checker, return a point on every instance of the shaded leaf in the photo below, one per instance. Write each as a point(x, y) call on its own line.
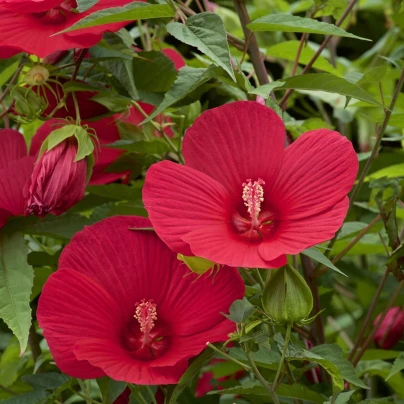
point(318, 256)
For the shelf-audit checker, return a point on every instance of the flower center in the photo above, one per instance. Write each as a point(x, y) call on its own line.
point(260, 223)
point(59, 14)
point(145, 337)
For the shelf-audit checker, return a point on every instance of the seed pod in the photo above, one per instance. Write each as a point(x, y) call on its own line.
point(287, 298)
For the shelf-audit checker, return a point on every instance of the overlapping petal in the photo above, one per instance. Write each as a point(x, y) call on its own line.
point(235, 142)
point(12, 146)
point(317, 171)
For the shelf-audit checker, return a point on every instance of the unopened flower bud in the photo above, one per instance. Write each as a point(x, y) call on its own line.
point(391, 329)
point(57, 182)
point(37, 75)
point(287, 298)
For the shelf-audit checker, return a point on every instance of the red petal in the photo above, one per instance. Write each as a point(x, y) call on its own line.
point(119, 365)
point(30, 6)
point(235, 142)
point(318, 170)
point(180, 200)
point(12, 181)
point(7, 52)
point(34, 35)
point(12, 146)
point(72, 307)
point(294, 236)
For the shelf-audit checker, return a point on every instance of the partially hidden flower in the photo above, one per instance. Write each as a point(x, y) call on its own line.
point(107, 133)
point(391, 329)
point(122, 305)
point(242, 199)
point(58, 181)
point(31, 25)
point(15, 169)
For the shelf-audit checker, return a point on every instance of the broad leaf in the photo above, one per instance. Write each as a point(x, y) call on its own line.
point(206, 32)
point(188, 80)
point(16, 279)
point(330, 84)
point(130, 12)
point(292, 23)
point(123, 71)
point(318, 256)
point(240, 310)
point(398, 366)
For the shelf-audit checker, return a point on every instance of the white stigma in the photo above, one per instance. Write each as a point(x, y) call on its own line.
point(253, 196)
point(146, 315)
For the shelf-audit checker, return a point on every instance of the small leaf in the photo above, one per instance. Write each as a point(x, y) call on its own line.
point(190, 374)
point(188, 80)
point(291, 23)
point(130, 12)
point(58, 136)
point(84, 5)
point(240, 310)
point(85, 144)
point(16, 279)
point(206, 32)
point(342, 398)
point(318, 256)
point(329, 83)
point(398, 366)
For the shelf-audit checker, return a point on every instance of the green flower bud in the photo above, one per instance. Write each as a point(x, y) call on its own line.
point(36, 76)
point(287, 298)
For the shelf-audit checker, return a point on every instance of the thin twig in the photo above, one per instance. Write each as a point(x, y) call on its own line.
point(33, 342)
point(369, 315)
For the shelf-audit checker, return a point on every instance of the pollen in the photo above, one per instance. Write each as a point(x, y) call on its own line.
point(146, 315)
point(253, 196)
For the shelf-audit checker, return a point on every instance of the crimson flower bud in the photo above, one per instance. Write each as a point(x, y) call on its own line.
point(57, 182)
point(391, 328)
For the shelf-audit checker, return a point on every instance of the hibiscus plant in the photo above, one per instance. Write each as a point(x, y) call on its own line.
point(201, 201)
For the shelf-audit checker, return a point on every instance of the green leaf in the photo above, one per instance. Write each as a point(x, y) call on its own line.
point(294, 391)
point(118, 192)
point(318, 256)
point(190, 374)
point(84, 5)
point(334, 354)
point(85, 144)
point(290, 23)
point(152, 146)
point(240, 310)
point(398, 366)
point(123, 71)
point(328, 83)
point(288, 50)
point(264, 90)
point(153, 71)
point(58, 135)
point(342, 398)
point(130, 12)
point(110, 389)
point(206, 32)
point(392, 171)
point(188, 80)
point(8, 67)
point(16, 279)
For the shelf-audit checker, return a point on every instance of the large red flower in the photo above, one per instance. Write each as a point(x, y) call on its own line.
point(15, 169)
point(29, 25)
point(107, 133)
point(122, 305)
point(244, 200)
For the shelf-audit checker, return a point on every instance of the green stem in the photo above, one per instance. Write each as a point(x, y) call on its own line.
point(285, 347)
point(225, 355)
point(260, 280)
point(76, 108)
point(260, 377)
point(152, 397)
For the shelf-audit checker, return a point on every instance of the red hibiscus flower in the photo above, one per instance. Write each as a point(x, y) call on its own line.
point(244, 200)
point(7, 52)
point(58, 181)
point(29, 25)
point(15, 169)
point(391, 328)
point(122, 305)
point(107, 133)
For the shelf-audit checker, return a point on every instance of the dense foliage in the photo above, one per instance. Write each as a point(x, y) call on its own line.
point(201, 202)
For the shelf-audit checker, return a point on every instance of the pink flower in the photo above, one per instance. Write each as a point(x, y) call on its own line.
point(391, 328)
point(107, 133)
point(122, 305)
point(244, 200)
point(30, 25)
point(15, 169)
point(57, 182)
